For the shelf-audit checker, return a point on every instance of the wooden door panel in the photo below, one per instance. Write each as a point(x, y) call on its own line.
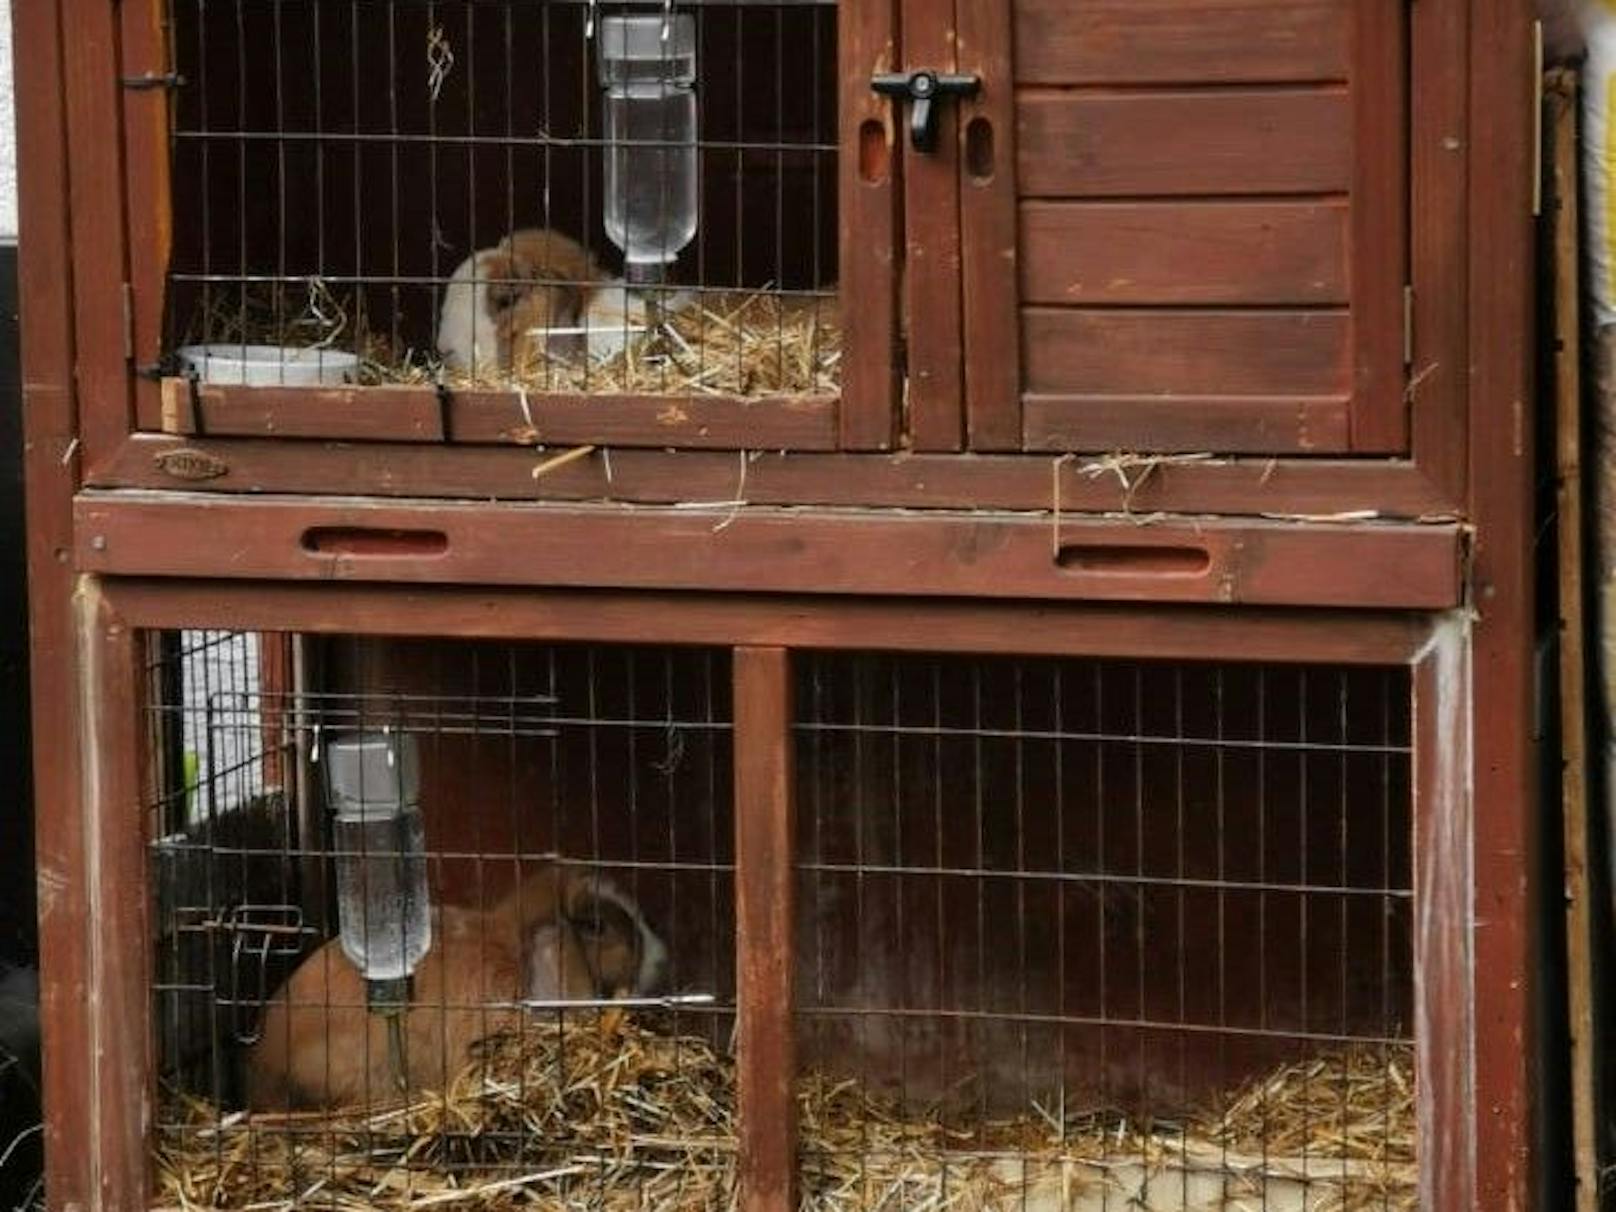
point(1168, 41)
point(1184, 252)
point(932, 287)
point(869, 228)
point(1210, 211)
point(1185, 354)
point(1184, 143)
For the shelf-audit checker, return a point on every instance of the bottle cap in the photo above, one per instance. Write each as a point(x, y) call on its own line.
point(632, 48)
point(372, 775)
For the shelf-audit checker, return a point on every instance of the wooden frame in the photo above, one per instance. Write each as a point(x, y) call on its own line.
point(938, 554)
point(952, 400)
point(1471, 456)
point(113, 615)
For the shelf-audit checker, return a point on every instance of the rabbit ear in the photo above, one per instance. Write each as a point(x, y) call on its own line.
point(596, 913)
point(569, 302)
point(554, 967)
point(503, 275)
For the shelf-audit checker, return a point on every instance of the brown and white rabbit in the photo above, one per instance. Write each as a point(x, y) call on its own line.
point(499, 301)
point(559, 934)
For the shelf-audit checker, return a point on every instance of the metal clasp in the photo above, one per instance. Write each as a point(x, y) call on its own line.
point(922, 89)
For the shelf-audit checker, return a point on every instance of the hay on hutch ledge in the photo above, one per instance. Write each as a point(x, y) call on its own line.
point(606, 1114)
point(724, 343)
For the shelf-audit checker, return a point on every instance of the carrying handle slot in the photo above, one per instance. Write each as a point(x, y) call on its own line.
point(365, 542)
point(1133, 560)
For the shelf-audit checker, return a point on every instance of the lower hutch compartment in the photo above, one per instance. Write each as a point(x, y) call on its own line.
point(769, 903)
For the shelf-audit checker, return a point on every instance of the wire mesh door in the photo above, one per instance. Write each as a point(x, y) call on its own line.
point(1082, 935)
point(562, 1033)
point(482, 211)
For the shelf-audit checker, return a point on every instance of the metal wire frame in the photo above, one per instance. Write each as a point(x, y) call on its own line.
point(618, 758)
point(335, 163)
point(1099, 889)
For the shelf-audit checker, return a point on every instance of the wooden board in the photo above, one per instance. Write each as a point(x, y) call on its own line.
point(1179, 253)
point(935, 386)
point(765, 916)
point(1189, 425)
point(869, 233)
point(1560, 118)
point(1176, 41)
point(51, 463)
point(1166, 632)
point(1188, 143)
point(1444, 942)
point(989, 246)
point(1500, 276)
point(799, 551)
point(1194, 354)
point(419, 414)
point(120, 1043)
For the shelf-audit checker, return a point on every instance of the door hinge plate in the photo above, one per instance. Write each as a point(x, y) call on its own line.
point(128, 322)
point(1408, 325)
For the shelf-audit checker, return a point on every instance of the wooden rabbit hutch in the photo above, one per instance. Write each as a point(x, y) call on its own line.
point(984, 545)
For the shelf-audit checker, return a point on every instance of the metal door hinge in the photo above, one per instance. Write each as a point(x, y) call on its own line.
point(150, 80)
point(1408, 325)
point(128, 322)
point(1538, 166)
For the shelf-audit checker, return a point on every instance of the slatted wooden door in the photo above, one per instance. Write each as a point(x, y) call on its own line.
point(1205, 202)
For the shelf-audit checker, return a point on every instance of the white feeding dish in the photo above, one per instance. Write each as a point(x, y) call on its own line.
point(269, 365)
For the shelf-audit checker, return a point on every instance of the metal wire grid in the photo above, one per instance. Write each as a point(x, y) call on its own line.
point(1099, 892)
point(335, 162)
point(618, 759)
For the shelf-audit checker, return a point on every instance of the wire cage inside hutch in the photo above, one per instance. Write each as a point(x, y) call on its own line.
point(579, 196)
point(1068, 933)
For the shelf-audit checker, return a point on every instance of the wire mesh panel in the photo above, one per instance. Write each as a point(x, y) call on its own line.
point(577, 196)
point(1101, 935)
point(472, 943)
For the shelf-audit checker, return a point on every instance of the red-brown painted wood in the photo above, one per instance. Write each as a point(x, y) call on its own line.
point(1179, 144)
point(1379, 225)
point(100, 245)
point(931, 274)
point(1166, 632)
point(51, 470)
point(1211, 424)
point(1184, 253)
point(793, 551)
point(870, 172)
point(119, 1043)
point(765, 917)
point(1444, 952)
point(1086, 484)
point(1199, 354)
point(415, 414)
point(1500, 251)
point(1181, 41)
point(1438, 387)
point(988, 238)
point(146, 117)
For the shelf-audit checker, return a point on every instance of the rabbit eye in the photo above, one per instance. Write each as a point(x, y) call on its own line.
point(590, 927)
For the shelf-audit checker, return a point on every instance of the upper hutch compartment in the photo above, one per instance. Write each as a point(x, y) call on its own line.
point(1158, 227)
point(521, 205)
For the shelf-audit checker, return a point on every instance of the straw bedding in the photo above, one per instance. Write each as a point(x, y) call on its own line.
point(724, 343)
point(609, 1114)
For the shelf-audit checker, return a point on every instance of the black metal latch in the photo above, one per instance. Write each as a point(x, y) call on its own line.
point(921, 89)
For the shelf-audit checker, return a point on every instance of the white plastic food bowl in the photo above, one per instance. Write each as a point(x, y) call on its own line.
point(269, 365)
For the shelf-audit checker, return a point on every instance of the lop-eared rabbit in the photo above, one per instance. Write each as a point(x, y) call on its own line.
point(559, 934)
